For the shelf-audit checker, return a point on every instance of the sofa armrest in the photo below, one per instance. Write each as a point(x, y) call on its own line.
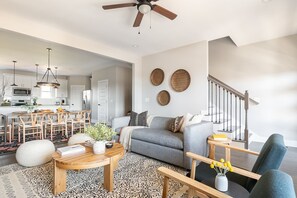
point(195, 140)
point(120, 122)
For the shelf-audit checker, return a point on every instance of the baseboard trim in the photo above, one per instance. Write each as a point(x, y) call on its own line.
point(257, 138)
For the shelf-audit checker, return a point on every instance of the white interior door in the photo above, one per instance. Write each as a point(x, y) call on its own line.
point(103, 101)
point(76, 97)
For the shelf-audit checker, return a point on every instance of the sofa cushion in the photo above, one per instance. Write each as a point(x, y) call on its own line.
point(160, 137)
point(138, 119)
point(160, 122)
point(175, 124)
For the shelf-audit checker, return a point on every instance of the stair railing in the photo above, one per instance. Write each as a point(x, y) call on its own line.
point(233, 105)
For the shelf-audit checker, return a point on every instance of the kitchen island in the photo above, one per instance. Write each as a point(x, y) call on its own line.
point(5, 110)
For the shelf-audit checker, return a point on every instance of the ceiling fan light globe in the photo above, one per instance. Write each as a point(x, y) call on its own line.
point(144, 8)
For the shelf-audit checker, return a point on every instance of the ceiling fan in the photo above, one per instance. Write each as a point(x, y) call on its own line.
point(143, 7)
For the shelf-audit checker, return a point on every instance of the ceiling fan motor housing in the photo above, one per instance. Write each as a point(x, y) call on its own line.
point(144, 6)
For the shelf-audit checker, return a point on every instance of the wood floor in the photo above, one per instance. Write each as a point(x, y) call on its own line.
point(238, 159)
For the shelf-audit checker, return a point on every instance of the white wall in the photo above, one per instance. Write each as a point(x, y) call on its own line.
point(192, 58)
point(118, 78)
point(268, 70)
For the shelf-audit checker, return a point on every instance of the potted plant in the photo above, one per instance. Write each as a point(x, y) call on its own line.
point(100, 133)
point(35, 100)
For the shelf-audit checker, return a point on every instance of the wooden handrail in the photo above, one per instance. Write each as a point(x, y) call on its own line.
point(230, 89)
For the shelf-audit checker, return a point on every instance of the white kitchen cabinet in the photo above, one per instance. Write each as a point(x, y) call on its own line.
point(62, 91)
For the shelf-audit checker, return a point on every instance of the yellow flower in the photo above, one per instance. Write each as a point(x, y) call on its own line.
point(211, 166)
point(225, 164)
point(222, 160)
point(231, 169)
point(229, 163)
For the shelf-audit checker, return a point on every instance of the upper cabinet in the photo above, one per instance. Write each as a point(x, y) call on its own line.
point(30, 82)
point(23, 81)
point(62, 91)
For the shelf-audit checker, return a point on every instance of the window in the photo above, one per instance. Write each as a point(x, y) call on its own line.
point(46, 92)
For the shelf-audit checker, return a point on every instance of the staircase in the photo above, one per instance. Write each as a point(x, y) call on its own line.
point(228, 110)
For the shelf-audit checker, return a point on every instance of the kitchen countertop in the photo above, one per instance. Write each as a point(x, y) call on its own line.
point(38, 106)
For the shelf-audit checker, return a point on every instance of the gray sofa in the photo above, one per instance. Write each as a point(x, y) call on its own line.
point(157, 142)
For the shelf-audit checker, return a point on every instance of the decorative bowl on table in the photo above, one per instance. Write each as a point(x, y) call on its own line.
point(109, 145)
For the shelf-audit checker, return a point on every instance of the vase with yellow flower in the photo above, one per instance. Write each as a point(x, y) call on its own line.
point(221, 167)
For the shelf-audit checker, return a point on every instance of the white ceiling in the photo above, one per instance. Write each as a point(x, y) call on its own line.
point(28, 51)
point(245, 21)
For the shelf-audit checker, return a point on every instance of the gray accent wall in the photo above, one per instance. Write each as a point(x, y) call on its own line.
point(268, 70)
point(194, 59)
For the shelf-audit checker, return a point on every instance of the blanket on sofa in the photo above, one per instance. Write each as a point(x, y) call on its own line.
point(125, 135)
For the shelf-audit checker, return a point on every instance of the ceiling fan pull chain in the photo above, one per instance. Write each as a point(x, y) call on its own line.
point(150, 19)
point(139, 30)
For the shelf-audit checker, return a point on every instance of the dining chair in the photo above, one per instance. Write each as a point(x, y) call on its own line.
point(76, 121)
point(56, 122)
point(87, 117)
point(30, 124)
point(6, 133)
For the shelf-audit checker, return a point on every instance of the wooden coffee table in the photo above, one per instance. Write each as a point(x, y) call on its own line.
point(85, 161)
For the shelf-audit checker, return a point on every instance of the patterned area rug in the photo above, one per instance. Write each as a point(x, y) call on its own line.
point(135, 177)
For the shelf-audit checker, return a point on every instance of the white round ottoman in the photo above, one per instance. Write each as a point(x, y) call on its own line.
point(34, 153)
point(79, 138)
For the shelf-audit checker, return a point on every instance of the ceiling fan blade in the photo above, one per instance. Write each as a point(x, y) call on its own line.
point(164, 12)
point(153, 0)
point(138, 19)
point(122, 5)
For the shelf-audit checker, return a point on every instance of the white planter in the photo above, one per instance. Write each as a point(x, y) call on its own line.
point(221, 183)
point(99, 147)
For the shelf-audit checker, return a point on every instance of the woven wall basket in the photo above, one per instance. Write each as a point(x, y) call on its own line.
point(163, 98)
point(180, 80)
point(157, 76)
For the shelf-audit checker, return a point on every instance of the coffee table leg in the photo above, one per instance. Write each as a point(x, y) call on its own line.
point(59, 180)
point(108, 176)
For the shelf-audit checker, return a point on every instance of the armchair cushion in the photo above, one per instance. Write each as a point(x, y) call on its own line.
point(274, 184)
point(270, 157)
point(204, 172)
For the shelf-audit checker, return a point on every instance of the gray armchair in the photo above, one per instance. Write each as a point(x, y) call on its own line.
point(270, 157)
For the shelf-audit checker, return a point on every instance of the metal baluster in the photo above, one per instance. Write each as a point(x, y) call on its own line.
point(211, 101)
point(216, 104)
point(219, 104)
point(235, 104)
point(230, 111)
point(224, 109)
point(227, 111)
point(208, 101)
point(240, 106)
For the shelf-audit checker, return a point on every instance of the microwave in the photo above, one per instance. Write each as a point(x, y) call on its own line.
point(21, 92)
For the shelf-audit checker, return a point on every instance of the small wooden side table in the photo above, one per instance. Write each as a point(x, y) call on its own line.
point(212, 147)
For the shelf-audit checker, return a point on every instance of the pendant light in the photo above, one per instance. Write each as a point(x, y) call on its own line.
point(36, 86)
point(56, 73)
point(13, 85)
point(49, 78)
